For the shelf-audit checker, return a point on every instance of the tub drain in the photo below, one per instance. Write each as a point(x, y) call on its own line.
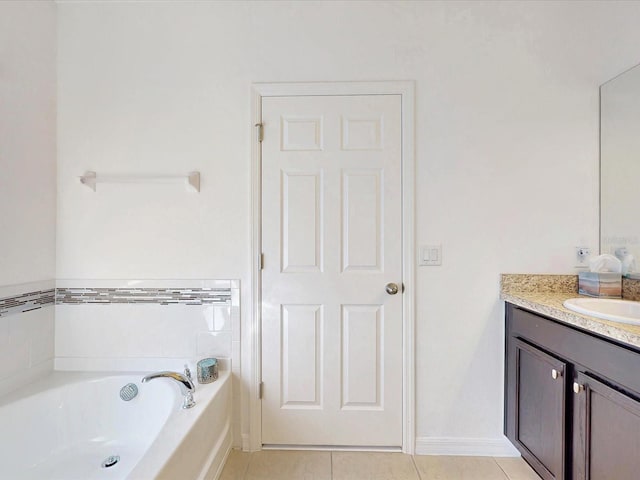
point(110, 461)
point(128, 392)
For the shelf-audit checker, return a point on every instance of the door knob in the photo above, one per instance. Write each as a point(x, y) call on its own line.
point(391, 288)
point(555, 374)
point(577, 388)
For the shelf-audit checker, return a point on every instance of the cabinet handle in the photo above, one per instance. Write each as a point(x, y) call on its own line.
point(577, 388)
point(555, 374)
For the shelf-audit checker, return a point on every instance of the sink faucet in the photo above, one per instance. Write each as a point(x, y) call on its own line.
point(184, 381)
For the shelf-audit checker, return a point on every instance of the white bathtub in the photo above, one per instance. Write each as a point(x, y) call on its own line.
point(65, 426)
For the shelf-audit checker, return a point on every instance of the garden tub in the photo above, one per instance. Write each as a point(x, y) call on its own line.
point(75, 425)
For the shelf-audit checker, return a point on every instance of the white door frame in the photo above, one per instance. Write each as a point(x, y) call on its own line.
point(252, 338)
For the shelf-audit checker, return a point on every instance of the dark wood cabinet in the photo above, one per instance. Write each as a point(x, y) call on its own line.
point(572, 400)
point(606, 432)
point(540, 408)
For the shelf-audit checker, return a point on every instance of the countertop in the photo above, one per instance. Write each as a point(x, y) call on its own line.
point(549, 303)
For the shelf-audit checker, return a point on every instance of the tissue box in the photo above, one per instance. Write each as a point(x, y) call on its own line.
point(594, 284)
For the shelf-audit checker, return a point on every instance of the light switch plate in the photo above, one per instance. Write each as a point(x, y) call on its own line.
point(430, 255)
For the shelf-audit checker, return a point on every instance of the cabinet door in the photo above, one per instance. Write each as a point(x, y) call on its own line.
point(606, 432)
point(540, 410)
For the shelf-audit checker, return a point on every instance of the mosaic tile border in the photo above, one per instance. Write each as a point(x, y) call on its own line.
point(25, 302)
point(154, 296)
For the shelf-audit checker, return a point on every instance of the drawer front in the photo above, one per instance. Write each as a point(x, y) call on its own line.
point(615, 363)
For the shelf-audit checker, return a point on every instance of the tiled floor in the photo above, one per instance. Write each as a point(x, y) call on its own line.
point(313, 465)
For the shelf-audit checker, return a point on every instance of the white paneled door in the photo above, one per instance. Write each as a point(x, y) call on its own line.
point(332, 243)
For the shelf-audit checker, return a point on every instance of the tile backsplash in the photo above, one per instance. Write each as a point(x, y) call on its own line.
point(26, 302)
point(158, 321)
point(26, 333)
point(151, 323)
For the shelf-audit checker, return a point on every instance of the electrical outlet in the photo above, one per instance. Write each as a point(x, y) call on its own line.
point(582, 257)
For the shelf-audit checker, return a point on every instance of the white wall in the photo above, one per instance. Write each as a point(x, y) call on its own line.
point(27, 183)
point(27, 141)
point(506, 124)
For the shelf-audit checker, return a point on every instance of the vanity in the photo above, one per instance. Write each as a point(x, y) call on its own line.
point(572, 380)
point(572, 385)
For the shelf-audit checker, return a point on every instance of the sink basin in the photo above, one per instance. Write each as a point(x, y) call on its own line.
point(623, 311)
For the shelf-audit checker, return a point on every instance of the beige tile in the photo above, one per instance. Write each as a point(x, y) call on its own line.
point(516, 468)
point(236, 465)
point(458, 468)
point(372, 466)
point(289, 465)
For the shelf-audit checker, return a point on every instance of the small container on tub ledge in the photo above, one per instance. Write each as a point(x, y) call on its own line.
point(207, 370)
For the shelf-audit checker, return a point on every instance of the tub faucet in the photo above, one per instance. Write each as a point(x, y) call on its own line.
point(186, 385)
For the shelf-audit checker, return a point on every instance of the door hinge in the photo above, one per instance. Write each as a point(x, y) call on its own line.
point(260, 130)
point(262, 261)
point(260, 390)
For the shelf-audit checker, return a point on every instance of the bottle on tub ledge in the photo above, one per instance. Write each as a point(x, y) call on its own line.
point(207, 370)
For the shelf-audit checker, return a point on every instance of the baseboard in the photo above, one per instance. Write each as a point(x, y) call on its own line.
point(246, 443)
point(473, 447)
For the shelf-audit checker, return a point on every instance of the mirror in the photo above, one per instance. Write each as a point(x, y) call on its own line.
point(620, 167)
